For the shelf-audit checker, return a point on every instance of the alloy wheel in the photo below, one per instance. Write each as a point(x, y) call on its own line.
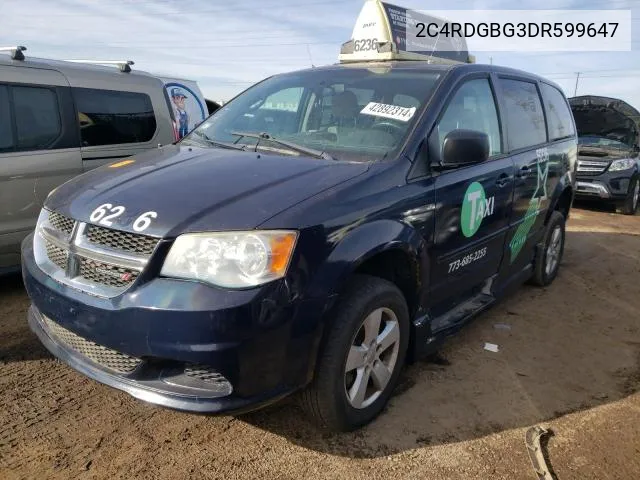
point(372, 358)
point(553, 250)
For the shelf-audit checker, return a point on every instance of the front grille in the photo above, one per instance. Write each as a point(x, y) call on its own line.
point(592, 167)
point(104, 262)
point(105, 274)
point(111, 359)
point(204, 373)
point(61, 223)
point(57, 255)
point(125, 241)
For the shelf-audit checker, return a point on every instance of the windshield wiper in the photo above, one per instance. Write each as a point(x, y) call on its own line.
point(293, 146)
point(216, 143)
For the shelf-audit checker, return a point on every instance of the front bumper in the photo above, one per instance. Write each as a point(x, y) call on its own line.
point(262, 342)
point(154, 391)
point(592, 189)
point(606, 186)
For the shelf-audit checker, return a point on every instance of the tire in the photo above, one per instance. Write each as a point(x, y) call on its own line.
point(330, 398)
point(630, 204)
point(548, 261)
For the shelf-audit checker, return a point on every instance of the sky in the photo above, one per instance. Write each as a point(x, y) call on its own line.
point(228, 46)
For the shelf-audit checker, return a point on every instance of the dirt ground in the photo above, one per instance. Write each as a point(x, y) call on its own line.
point(569, 359)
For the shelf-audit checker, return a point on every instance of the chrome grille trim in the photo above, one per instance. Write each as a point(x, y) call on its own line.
point(61, 223)
point(592, 167)
point(106, 274)
point(103, 356)
point(98, 269)
point(594, 163)
point(106, 254)
point(54, 236)
point(122, 241)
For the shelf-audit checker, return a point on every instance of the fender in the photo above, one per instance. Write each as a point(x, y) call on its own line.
point(355, 247)
point(565, 182)
point(362, 243)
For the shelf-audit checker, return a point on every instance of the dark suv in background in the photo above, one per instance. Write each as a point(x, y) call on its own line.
point(608, 147)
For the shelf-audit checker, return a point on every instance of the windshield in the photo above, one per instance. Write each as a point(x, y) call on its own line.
point(602, 142)
point(354, 114)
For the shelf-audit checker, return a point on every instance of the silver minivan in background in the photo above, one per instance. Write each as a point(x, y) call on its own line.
point(59, 119)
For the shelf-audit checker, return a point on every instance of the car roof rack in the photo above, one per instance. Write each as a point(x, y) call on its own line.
point(16, 52)
point(123, 65)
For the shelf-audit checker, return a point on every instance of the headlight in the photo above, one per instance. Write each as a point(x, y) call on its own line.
point(623, 164)
point(231, 259)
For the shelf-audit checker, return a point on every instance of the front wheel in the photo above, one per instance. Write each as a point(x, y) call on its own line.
point(547, 263)
point(630, 204)
point(362, 357)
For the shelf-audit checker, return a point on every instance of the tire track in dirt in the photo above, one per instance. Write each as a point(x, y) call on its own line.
point(38, 398)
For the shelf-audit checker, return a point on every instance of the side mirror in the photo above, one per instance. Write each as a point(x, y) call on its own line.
point(464, 147)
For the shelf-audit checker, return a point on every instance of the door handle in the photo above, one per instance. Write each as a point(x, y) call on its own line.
point(524, 171)
point(503, 180)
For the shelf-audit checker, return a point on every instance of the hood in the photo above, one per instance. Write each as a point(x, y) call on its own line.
point(605, 117)
point(193, 189)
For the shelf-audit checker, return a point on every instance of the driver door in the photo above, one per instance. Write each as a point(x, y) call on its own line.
point(473, 203)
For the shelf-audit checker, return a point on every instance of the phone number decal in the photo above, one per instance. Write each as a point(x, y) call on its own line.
point(467, 260)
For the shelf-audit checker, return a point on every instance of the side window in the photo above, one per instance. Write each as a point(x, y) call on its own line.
point(6, 132)
point(559, 116)
point(472, 108)
point(108, 117)
point(523, 114)
point(37, 117)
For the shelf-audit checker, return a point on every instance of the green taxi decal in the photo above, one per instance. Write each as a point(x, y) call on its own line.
point(521, 235)
point(475, 208)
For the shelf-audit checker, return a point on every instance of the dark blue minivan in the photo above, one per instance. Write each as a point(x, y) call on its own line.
point(315, 234)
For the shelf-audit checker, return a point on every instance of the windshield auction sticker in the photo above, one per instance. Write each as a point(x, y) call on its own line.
point(519, 30)
point(394, 112)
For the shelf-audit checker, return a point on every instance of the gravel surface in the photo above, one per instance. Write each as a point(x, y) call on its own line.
point(569, 358)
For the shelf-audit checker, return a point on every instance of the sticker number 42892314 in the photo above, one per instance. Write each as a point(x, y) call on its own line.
point(106, 213)
point(467, 259)
point(395, 112)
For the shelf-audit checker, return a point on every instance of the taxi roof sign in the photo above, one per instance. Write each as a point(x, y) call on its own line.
point(380, 34)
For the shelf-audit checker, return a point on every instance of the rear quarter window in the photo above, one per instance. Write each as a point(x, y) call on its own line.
point(559, 117)
point(6, 132)
point(109, 117)
point(524, 115)
point(37, 117)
